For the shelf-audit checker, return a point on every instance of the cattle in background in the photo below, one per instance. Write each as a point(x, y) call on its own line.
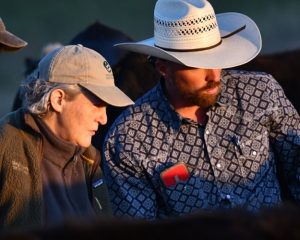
point(278, 223)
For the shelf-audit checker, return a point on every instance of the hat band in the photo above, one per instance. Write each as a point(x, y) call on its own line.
point(189, 50)
point(206, 48)
point(235, 31)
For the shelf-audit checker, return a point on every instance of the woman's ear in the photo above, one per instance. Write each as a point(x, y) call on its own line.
point(57, 99)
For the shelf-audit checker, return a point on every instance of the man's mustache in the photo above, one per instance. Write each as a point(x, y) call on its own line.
point(209, 85)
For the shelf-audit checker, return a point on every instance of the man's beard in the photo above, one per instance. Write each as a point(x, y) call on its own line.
point(201, 98)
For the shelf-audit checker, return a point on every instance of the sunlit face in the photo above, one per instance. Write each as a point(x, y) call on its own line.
point(79, 119)
point(192, 86)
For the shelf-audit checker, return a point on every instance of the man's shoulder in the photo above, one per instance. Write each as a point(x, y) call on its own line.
point(241, 78)
point(11, 122)
point(149, 111)
point(143, 106)
point(246, 76)
point(12, 130)
point(252, 87)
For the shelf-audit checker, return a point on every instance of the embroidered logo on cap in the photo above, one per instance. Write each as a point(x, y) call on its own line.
point(107, 66)
point(175, 174)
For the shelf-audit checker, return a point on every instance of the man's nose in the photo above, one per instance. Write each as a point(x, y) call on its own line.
point(213, 75)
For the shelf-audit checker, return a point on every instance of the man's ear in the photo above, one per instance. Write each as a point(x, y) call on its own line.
point(161, 66)
point(57, 99)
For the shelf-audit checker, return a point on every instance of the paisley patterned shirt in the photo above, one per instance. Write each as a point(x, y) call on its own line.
point(158, 164)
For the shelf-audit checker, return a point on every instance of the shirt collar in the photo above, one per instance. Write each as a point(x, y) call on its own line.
point(64, 151)
point(224, 100)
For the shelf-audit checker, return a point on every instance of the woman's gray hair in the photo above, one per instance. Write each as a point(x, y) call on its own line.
point(37, 94)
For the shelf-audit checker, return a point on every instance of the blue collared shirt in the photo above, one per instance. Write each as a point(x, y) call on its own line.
point(160, 164)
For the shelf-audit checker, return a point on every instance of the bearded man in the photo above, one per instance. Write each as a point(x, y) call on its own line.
point(204, 137)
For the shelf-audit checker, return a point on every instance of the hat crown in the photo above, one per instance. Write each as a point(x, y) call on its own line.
point(75, 64)
point(185, 25)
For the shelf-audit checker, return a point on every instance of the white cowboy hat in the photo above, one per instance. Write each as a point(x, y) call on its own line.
point(188, 32)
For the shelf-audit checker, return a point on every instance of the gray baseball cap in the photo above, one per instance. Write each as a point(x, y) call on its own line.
point(75, 64)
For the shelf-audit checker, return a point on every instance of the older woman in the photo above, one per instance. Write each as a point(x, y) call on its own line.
point(49, 170)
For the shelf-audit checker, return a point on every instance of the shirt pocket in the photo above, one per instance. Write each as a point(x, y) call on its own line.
point(253, 156)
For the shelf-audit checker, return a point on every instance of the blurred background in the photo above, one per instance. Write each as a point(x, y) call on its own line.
point(40, 22)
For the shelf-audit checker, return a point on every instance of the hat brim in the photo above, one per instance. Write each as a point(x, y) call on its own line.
point(112, 95)
point(12, 41)
point(235, 50)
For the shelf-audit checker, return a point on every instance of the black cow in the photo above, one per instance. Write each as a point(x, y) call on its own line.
point(278, 223)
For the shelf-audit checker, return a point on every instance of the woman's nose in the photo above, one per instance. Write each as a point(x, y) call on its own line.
point(102, 117)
